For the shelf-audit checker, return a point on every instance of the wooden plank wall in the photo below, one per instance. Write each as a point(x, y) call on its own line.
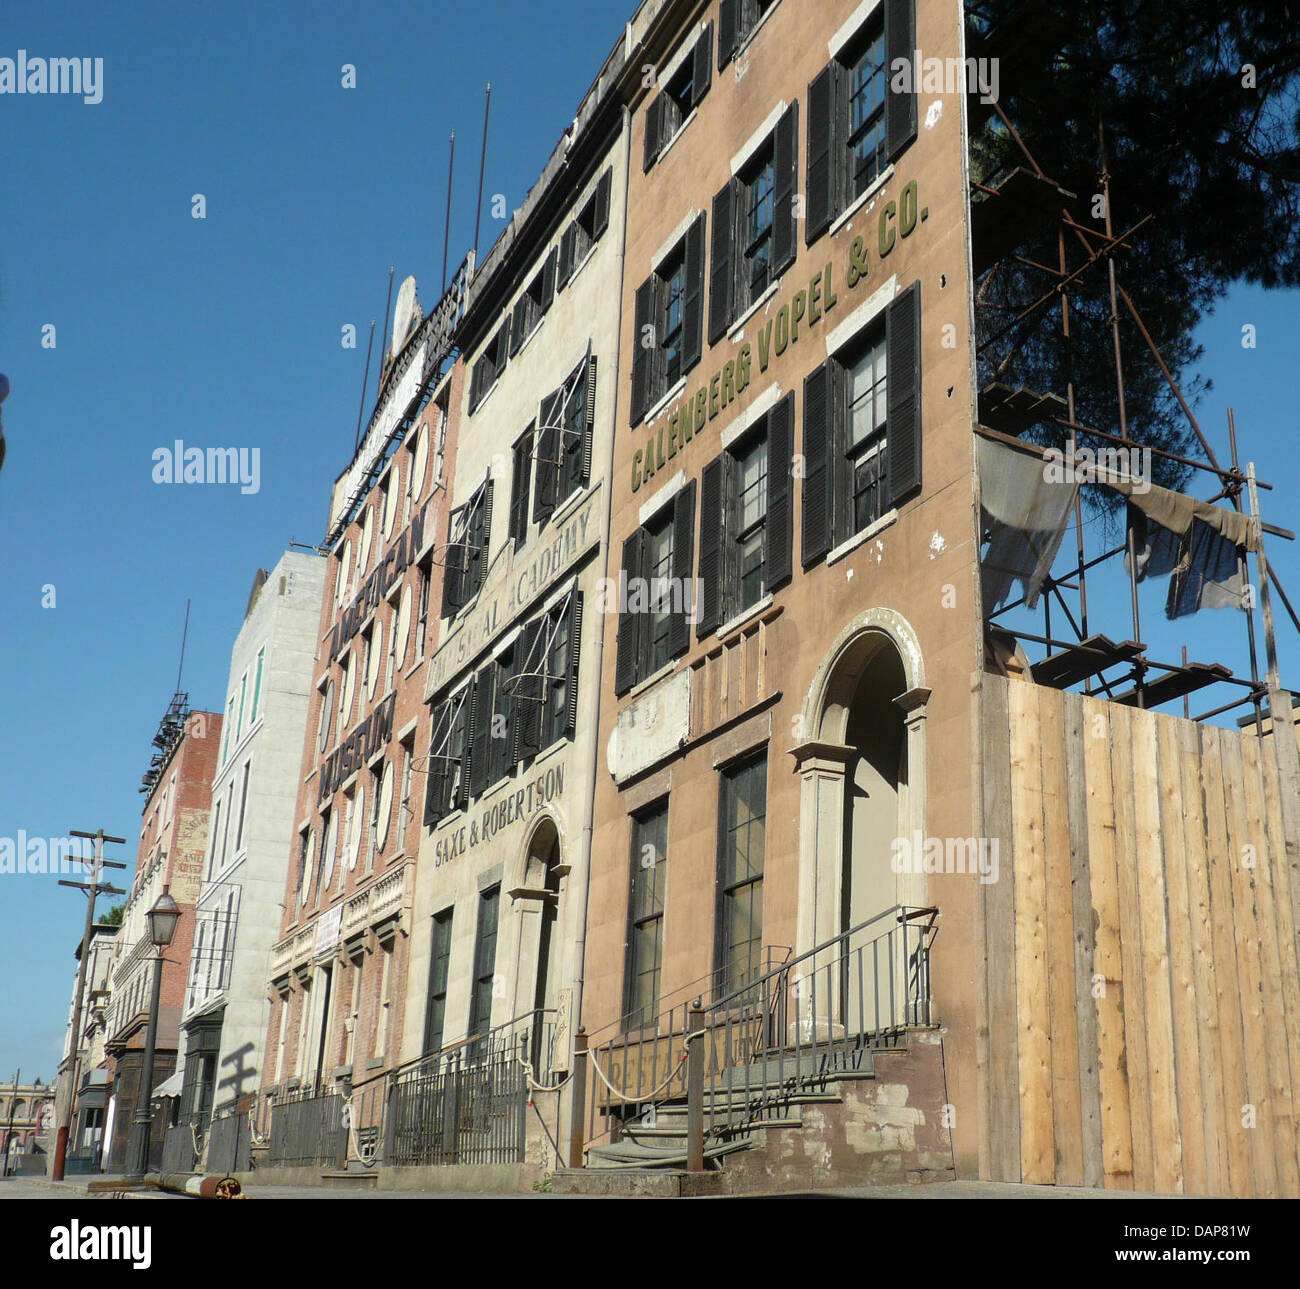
point(1142, 982)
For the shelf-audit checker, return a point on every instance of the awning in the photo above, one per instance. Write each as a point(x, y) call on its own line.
point(169, 1087)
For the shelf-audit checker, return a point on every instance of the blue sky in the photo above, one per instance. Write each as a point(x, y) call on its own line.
point(226, 332)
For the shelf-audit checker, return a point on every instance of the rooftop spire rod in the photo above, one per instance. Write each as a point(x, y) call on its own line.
point(365, 382)
point(383, 349)
point(482, 167)
point(446, 237)
point(185, 631)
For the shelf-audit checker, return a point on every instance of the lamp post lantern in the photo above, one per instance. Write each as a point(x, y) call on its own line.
point(162, 919)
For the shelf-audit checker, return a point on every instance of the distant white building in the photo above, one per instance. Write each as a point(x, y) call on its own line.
point(250, 841)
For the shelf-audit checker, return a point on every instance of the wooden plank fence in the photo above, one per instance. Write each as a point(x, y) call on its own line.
point(1142, 982)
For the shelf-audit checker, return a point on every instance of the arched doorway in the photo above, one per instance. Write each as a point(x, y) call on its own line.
point(862, 771)
point(540, 980)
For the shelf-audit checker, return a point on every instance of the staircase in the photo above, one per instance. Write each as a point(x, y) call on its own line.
point(787, 1101)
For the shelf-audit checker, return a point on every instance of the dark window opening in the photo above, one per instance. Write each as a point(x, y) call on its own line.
point(741, 844)
point(645, 917)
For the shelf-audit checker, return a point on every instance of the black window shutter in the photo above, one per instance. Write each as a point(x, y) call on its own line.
point(777, 563)
point(900, 42)
point(475, 381)
point(625, 665)
point(528, 692)
point(693, 303)
point(519, 488)
point(820, 209)
point(712, 537)
point(641, 365)
point(478, 748)
point(721, 277)
point(571, 680)
point(702, 73)
point(548, 455)
point(435, 787)
point(818, 478)
point(785, 228)
point(600, 219)
point(728, 31)
point(519, 324)
point(903, 364)
point(462, 728)
point(654, 128)
point(484, 536)
point(679, 629)
point(454, 570)
point(585, 477)
point(503, 346)
point(548, 278)
point(568, 250)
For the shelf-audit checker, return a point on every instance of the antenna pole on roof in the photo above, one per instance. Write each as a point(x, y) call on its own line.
point(482, 167)
point(383, 349)
point(446, 237)
point(365, 381)
point(185, 631)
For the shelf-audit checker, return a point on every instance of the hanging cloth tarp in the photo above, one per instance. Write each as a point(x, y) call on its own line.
point(1196, 543)
point(1025, 517)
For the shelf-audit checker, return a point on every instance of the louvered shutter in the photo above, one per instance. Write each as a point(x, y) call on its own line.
point(529, 691)
point(568, 249)
point(679, 631)
point(519, 487)
point(589, 423)
point(600, 220)
point(548, 279)
point(654, 129)
point(435, 788)
point(548, 455)
point(462, 735)
point(721, 275)
point(475, 383)
point(702, 72)
point(454, 568)
point(900, 43)
point(822, 119)
point(571, 679)
point(777, 563)
point(818, 481)
point(481, 539)
point(643, 318)
point(480, 730)
point(693, 301)
point(903, 378)
point(502, 348)
point(712, 536)
point(785, 228)
point(519, 327)
point(626, 664)
point(728, 31)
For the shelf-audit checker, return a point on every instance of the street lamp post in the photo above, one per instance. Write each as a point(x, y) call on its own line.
point(162, 919)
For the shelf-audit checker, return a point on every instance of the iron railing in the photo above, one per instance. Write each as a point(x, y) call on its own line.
point(462, 1103)
point(308, 1130)
point(821, 1013)
point(645, 1062)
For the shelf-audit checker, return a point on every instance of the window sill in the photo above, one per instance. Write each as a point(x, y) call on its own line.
point(759, 606)
point(581, 264)
point(650, 681)
point(870, 531)
point(666, 399)
point(528, 340)
point(478, 407)
point(733, 332)
point(681, 129)
point(858, 202)
point(743, 47)
point(567, 507)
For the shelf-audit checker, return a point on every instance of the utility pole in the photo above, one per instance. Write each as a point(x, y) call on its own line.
point(93, 889)
point(18, 1078)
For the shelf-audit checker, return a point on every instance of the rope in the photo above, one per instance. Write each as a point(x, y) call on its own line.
point(255, 1136)
point(645, 1096)
point(534, 1086)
